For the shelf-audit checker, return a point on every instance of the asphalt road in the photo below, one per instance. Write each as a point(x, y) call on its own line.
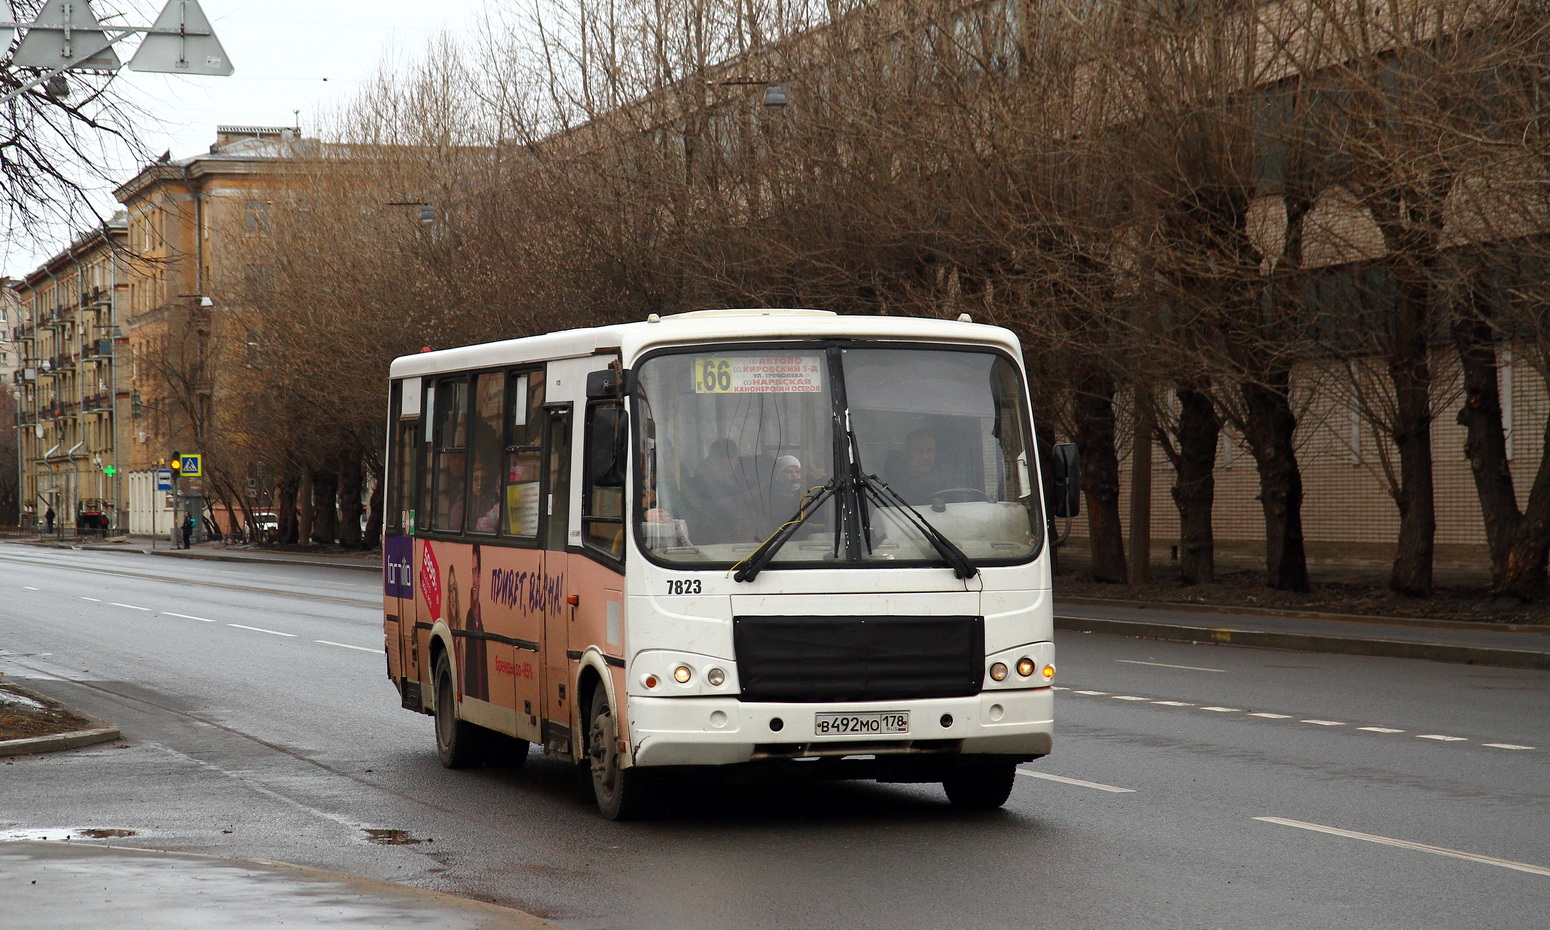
point(1191, 786)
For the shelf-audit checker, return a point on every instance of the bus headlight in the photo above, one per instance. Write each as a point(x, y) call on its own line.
point(1025, 666)
point(716, 677)
point(682, 674)
point(998, 671)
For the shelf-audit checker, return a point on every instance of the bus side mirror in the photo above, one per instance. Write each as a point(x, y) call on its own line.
point(1067, 463)
point(609, 447)
point(610, 382)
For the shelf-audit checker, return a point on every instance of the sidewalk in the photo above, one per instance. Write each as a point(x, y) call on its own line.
point(66, 885)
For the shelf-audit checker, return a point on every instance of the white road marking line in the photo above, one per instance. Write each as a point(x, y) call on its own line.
point(1100, 693)
point(1128, 697)
point(1506, 746)
point(1223, 710)
point(28, 587)
point(345, 645)
point(1380, 729)
point(1191, 668)
point(1076, 781)
point(1174, 703)
point(1271, 716)
point(257, 629)
point(1406, 844)
point(1059, 688)
point(95, 600)
point(1325, 723)
point(1443, 739)
point(188, 617)
point(129, 606)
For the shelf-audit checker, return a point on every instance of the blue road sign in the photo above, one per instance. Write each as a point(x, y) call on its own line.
point(163, 479)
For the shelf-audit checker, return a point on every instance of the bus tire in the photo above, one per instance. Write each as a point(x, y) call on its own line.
point(980, 787)
point(460, 744)
point(621, 793)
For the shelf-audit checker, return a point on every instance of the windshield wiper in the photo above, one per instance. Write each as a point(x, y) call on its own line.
point(750, 567)
point(963, 567)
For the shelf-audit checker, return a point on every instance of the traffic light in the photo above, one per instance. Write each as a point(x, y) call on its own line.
point(177, 464)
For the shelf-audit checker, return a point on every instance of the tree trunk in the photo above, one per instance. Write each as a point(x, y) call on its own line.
point(1485, 443)
point(1268, 428)
point(373, 534)
point(351, 482)
point(307, 509)
point(1094, 410)
point(1410, 371)
point(325, 508)
point(287, 492)
point(1525, 576)
point(1194, 487)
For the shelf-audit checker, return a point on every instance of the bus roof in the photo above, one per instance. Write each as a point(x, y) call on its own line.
point(700, 326)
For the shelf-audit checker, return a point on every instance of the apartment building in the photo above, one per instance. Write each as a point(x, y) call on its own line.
point(73, 401)
point(115, 335)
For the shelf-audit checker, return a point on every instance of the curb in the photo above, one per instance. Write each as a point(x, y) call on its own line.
point(98, 731)
point(1311, 642)
point(1375, 619)
point(263, 560)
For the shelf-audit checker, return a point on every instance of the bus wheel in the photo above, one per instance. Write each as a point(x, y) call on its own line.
point(621, 792)
point(459, 743)
point(980, 787)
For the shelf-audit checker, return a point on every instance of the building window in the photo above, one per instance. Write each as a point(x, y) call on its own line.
point(255, 217)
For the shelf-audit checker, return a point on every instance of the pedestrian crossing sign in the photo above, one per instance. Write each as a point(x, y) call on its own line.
point(192, 465)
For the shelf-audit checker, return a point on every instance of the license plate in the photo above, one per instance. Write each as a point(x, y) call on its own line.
point(863, 723)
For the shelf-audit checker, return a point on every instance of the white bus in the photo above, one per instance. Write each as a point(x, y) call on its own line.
point(751, 543)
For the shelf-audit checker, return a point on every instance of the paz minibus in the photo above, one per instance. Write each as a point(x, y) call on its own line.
point(758, 544)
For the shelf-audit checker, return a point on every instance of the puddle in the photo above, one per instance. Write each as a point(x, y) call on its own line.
point(65, 834)
point(392, 838)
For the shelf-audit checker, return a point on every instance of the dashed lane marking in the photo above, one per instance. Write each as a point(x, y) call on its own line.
point(188, 617)
point(1266, 715)
point(127, 606)
point(1077, 781)
point(1189, 668)
point(345, 645)
point(259, 629)
point(94, 600)
point(1407, 844)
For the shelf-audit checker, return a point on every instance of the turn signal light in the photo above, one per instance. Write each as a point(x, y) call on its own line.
point(998, 671)
point(1025, 666)
point(682, 674)
point(650, 681)
point(1049, 672)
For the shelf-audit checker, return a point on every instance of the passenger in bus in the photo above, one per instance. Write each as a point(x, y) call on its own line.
point(919, 477)
point(716, 513)
point(486, 498)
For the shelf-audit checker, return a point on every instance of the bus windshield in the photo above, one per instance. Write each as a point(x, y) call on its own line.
point(735, 442)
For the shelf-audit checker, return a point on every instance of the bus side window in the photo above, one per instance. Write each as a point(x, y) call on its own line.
point(485, 444)
point(602, 516)
point(449, 447)
point(524, 452)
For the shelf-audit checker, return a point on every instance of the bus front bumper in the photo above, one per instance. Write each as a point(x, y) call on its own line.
point(691, 731)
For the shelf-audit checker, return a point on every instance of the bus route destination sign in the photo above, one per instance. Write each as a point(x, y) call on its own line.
point(764, 374)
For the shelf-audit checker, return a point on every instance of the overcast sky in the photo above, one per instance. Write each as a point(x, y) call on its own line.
point(290, 55)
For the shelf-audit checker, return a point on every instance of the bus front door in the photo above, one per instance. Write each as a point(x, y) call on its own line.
point(557, 699)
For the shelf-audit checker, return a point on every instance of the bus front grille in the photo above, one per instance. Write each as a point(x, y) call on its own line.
point(811, 659)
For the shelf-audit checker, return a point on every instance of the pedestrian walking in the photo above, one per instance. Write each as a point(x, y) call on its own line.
point(188, 531)
point(49, 519)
